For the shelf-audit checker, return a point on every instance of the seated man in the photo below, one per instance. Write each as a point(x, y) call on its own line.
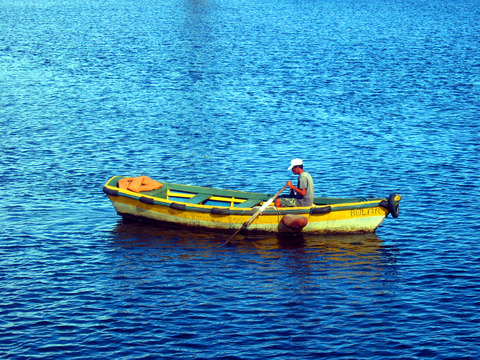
point(304, 189)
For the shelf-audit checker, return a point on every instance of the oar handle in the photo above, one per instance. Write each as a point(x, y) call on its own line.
point(263, 207)
point(254, 216)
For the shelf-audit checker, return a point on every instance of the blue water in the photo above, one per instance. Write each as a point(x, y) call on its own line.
point(376, 96)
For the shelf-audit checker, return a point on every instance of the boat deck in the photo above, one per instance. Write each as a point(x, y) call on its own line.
point(199, 195)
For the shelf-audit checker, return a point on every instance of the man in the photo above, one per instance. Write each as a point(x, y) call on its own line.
point(303, 193)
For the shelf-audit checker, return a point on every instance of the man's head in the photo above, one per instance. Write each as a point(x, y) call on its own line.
point(296, 165)
point(296, 162)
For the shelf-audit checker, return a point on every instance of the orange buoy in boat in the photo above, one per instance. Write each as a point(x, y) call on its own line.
point(295, 221)
point(123, 183)
point(140, 183)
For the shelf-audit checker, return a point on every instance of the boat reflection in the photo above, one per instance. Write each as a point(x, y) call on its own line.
point(134, 233)
point(357, 259)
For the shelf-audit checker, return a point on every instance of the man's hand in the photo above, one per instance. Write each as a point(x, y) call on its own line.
point(302, 192)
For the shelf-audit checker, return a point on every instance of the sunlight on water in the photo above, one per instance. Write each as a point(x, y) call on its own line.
point(376, 97)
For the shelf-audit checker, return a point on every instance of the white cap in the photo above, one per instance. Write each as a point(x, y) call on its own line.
point(295, 162)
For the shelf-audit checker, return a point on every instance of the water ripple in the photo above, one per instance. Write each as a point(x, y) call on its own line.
point(375, 97)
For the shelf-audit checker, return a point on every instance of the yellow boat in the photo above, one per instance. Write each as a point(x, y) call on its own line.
point(228, 210)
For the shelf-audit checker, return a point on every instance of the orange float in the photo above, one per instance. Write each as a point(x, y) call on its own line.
point(138, 184)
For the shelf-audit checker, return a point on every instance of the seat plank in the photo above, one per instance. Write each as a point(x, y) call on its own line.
point(248, 204)
point(197, 199)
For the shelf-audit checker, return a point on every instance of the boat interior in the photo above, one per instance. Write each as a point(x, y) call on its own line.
point(222, 198)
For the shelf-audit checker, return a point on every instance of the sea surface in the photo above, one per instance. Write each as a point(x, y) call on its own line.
point(376, 96)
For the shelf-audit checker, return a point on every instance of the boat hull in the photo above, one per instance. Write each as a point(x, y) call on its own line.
point(363, 216)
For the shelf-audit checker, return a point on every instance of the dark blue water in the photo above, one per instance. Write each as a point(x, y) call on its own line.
point(376, 96)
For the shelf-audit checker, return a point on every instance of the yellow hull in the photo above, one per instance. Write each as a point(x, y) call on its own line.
point(336, 223)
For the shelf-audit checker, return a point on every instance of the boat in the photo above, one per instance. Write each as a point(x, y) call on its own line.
point(207, 208)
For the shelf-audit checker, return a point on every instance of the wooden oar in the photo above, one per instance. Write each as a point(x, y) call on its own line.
point(258, 212)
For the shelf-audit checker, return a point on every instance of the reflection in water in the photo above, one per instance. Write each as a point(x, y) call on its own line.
point(360, 253)
point(294, 277)
point(358, 260)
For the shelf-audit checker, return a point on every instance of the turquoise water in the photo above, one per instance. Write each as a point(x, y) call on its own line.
point(375, 96)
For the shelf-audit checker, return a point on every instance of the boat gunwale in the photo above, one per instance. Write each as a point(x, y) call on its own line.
point(361, 203)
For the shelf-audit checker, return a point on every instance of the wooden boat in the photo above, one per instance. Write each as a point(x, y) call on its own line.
point(228, 210)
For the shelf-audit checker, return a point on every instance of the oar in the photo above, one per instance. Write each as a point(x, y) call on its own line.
point(258, 212)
